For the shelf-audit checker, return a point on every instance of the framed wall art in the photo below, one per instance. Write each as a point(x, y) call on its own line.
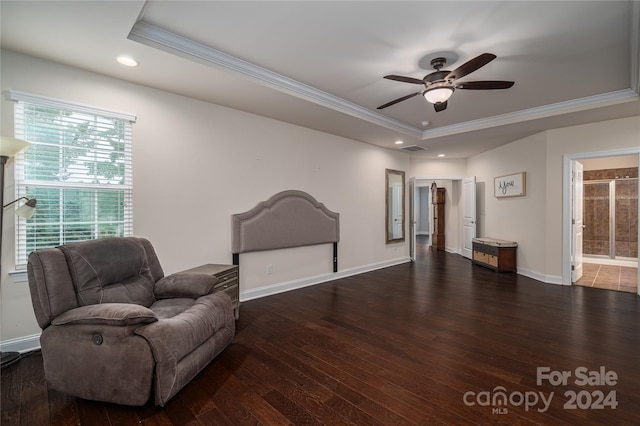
point(513, 185)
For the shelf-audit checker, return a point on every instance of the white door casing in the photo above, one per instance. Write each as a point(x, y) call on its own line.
point(468, 215)
point(413, 214)
point(577, 220)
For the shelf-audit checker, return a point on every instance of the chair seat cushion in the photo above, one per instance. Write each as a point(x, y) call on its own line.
point(184, 324)
point(188, 336)
point(169, 308)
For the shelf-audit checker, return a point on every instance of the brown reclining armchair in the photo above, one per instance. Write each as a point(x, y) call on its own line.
point(114, 327)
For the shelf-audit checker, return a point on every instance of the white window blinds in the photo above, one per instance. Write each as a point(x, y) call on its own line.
point(78, 168)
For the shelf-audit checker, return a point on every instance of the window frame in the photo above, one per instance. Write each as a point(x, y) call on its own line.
point(22, 99)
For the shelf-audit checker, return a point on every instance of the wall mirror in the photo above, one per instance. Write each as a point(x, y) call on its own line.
point(394, 205)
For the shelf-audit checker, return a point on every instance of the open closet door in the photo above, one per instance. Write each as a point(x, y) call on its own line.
point(577, 220)
point(468, 215)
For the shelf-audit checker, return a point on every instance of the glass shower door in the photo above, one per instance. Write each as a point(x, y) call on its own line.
point(611, 218)
point(626, 218)
point(597, 219)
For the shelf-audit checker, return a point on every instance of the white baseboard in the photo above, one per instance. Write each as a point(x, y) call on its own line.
point(21, 344)
point(549, 279)
point(272, 289)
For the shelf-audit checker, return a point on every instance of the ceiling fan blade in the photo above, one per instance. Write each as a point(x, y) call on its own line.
point(404, 79)
point(404, 98)
point(471, 66)
point(484, 85)
point(440, 106)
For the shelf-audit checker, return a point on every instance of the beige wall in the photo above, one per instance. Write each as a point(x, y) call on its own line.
point(188, 151)
point(603, 163)
point(440, 167)
point(515, 218)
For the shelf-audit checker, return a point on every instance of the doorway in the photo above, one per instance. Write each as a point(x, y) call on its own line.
point(607, 256)
point(420, 217)
point(460, 213)
point(423, 214)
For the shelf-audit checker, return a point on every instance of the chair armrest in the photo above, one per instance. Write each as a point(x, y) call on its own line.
point(184, 285)
point(118, 314)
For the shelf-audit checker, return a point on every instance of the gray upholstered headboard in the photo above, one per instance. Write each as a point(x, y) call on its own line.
point(288, 219)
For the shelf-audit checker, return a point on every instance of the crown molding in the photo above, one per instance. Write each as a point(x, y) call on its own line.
point(155, 36)
point(635, 46)
point(566, 107)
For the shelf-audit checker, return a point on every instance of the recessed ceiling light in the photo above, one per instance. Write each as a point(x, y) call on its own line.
point(126, 60)
point(399, 142)
point(441, 155)
point(425, 123)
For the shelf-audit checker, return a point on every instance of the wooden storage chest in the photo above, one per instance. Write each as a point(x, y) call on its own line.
point(499, 255)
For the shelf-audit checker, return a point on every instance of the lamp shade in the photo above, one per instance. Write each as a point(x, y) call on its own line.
point(27, 209)
point(11, 146)
point(438, 94)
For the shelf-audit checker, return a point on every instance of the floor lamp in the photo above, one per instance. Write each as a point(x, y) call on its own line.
point(8, 148)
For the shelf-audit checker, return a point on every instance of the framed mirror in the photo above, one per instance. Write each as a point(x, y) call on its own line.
point(394, 206)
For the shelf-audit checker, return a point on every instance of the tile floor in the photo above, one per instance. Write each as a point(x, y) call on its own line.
point(619, 278)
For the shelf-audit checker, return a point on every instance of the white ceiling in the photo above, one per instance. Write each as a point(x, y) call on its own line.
point(320, 64)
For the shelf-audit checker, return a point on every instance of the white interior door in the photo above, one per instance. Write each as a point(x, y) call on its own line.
point(413, 214)
point(577, 221)
point(468, 215)
point(430, 228)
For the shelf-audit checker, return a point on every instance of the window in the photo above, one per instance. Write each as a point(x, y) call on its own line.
point(78, 168)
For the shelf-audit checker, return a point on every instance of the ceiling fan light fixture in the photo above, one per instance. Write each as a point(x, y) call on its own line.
point(438, 94)
point(440, 84)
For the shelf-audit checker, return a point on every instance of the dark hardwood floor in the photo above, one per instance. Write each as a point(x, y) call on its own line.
point(430, 342)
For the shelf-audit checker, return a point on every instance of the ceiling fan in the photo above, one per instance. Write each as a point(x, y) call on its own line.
point(440, 85)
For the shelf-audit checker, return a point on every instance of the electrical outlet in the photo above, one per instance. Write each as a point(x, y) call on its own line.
point(269, 269)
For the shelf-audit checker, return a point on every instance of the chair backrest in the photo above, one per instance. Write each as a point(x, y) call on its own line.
point(106, 270)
